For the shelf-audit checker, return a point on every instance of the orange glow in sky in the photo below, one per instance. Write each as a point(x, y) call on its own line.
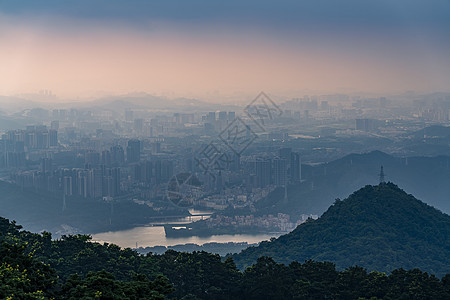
point(188, 62)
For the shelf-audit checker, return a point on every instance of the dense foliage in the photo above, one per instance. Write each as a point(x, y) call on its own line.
point(33, 266)
point(198, 275)
point(378, 227)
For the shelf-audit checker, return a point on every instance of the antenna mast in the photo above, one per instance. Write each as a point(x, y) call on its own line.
point(381, 175)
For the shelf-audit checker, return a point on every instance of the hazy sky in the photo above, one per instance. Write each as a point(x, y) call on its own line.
point(200, 47)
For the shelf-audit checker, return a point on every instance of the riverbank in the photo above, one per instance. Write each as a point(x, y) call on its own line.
point(217, 248)
point(150, 236)
point(188, 230)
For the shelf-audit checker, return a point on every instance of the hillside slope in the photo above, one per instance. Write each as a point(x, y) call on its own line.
point(378, 227)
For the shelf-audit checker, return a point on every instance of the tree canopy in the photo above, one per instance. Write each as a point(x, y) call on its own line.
point(34, 266)
point(380, 228)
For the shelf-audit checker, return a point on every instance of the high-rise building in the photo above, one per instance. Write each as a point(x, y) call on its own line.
point(46, 165)
point(107, 186)
point(133, 151)
point(211, 117)
point(95, 183)
point(163, 170)
point(263, 172)
point(166, 170)
point(280, 171)
point(117, 155)
point(296, 167)
point(365, 124)
point(106, 158)
point(223, 115)
point(135, 171)
point(83, 183)
point(222, 121)
point(52, 138)
point(138, 125)
point(147, 171)
point(67, 185)
point(285, 153)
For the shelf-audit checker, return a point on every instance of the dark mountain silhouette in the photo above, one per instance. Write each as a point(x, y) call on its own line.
point(425, 177)
point(378, 227)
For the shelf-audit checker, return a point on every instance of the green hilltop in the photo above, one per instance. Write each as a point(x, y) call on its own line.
point(377, 227)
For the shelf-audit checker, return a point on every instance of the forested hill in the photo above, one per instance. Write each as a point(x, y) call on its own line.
point(33, 266)
point(378, 227)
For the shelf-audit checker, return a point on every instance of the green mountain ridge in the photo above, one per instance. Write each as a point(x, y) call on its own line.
point(377, 227)
point(35, 266)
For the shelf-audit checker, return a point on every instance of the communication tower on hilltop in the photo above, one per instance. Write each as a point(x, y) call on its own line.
point(381, 175)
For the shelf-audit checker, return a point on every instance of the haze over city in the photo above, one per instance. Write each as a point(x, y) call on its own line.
point(292, 149)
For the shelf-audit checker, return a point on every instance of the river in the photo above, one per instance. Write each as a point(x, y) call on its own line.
point(153, 235)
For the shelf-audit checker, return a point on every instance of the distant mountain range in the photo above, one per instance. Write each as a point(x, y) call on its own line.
point(425, 177)
point(378, 227)
point(146, 101)
point(115, 103)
